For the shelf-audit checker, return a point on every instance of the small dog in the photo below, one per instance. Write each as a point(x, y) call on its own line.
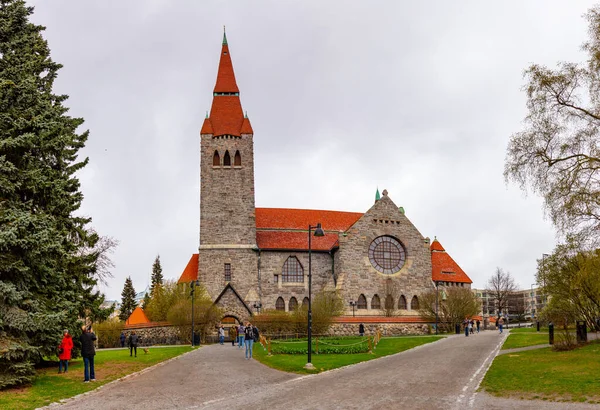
point(146, 350)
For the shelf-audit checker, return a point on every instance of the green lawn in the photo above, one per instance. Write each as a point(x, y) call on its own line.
point(322, 362)
point(547, 375)
point(49, 386)
point(524, 339)
point(528, 330)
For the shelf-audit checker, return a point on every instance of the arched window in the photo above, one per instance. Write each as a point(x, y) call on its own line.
point(280, 304)
point(402, 303)
point(216, 159)
point(226, 159)
point(389, 302)
point(375, 302)
point(237, 159)
point(362, 302)
point(293, 304)
point(292, 271)
point(305, 304)
point(414, 303)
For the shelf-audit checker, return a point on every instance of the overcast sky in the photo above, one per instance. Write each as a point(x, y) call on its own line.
point(419, 98)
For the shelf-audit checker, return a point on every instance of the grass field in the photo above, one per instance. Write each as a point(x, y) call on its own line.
point(524, 339)
point(49, 386)
point(322, 362)
point(547, 375)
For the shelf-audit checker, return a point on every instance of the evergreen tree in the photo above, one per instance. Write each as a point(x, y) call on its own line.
point(157, 277)
point(127, 299)
point(48, 256)
point(146, 301)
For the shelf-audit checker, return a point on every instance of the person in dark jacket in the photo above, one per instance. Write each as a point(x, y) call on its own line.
point(88, 352)
point(361, 329)
point(133, 343)
point(122, 339)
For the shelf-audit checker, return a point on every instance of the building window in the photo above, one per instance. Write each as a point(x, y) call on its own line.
point(292, 270)
point(305, 304)
point(226, 159)
point(237, 159)
point(375, 302)
point(362, 302)
point(216, 159)
point(293, 304)
point(402, 302)
point(414, 304)
point(387, 255)
point(389, 302)
point(228, 272)
point(280, 304)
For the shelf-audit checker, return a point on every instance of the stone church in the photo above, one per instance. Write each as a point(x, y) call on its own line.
point(257, 258)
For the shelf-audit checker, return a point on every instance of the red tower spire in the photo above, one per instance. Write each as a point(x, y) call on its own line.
point(226, 115)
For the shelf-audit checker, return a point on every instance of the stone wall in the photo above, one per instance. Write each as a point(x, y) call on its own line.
point(387, 329)
point(158, 335)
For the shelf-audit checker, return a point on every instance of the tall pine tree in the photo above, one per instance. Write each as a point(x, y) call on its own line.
point(157, 277)
point(127, 299)
point(48, 256)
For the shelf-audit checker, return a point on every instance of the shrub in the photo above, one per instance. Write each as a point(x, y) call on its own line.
point(109, 332)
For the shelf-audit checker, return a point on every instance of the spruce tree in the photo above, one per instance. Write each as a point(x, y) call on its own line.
point(48, 261)
point(157, 277)
point(127, 299)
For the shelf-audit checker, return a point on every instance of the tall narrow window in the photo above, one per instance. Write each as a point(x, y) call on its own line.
point(226, 159)
point(293, 304)
point(305, 303)
point(375, 302)
point(216, 159)
point(237, 160)
point(402, 302)
point(280, 304)
point(228, 272)
point(389, 302)
point(362, 302)
point(414, 303)
point(292, 271)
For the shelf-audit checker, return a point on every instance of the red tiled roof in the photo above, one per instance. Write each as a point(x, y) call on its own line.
point(207, 127)
point(226, 115)
point(225, 76)
point(280, 218)
point(444, 268)
point(190, 272)
point(295, 240)
point(246, 127)
point(437, 246)
point(137, 316)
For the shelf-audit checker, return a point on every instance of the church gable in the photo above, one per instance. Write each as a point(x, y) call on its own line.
point(232, 303)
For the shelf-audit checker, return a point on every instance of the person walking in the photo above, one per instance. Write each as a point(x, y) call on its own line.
point(361, 330)
point(466, 325)
point(221, 335)
point(249, 339)
point(478, 325)
point(500, 323)
point(88, 352)
point(64, 351)
point(133, 343)
point(240, 330)
point(122, 339)
point(471, 326)
point(233, 335)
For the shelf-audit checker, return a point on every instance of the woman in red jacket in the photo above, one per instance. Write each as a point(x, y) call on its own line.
point(64, 351)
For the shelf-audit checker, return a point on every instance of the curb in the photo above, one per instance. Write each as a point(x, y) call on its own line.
point(128, 376)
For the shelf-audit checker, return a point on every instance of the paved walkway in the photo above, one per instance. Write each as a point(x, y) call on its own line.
point(440, 375)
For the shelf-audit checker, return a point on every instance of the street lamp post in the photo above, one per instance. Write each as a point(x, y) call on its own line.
point(318, 232)
point(437, 284)
point(193, 285)
point(353, 304)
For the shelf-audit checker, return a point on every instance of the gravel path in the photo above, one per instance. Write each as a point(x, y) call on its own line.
point(440, 375)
